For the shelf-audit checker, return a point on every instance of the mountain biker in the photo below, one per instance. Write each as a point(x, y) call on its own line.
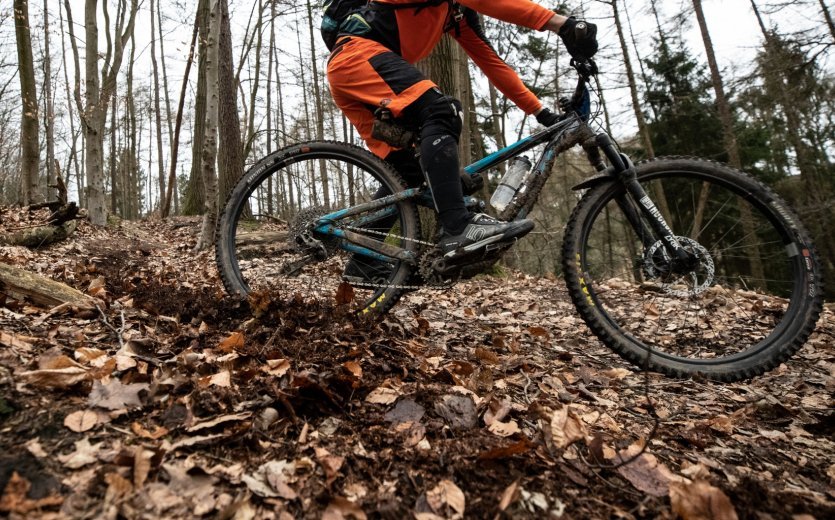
point(371, 67)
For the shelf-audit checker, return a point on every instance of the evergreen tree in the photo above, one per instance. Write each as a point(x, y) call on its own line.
point(684, 120)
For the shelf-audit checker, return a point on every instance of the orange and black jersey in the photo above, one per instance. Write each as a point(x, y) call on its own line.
point(413, 33)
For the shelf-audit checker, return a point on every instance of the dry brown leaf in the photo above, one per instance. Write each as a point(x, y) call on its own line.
point(14, 497)
point(113, 395)
point(538, 332)
point(510, 495)
point(447, 499)
point(222, 379)
point(15, 341)
point(616, 373)
point(233, 342)
point(646, 473)
point(277, 367)
point(341, 508)
point(88, 354)
point(81, 421)
point(158, 433)
point(700, 501)
point(382, 395)
point(117, 488)
point(34, 447)
point(271, 479)
point(85, 453)
point(344, 294)
point(563, 429)
point(330, 464)
point(61, 372)
point(141, 466)
point(503, 429)
point(353, 368)
point(487, 356)
point(219, 420)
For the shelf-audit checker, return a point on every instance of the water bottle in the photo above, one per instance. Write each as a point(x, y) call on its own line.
point(517, 170)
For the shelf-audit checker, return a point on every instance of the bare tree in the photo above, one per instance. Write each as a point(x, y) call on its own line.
point(157, 107)
point(93, 109)
point(730, 143)
point(49, 112)
point(29, 130)
point(175, 141)
point(209, 153)
point(230, 155)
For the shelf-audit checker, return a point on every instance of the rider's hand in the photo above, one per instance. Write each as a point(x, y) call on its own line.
point(547, 118)
point(579, 37)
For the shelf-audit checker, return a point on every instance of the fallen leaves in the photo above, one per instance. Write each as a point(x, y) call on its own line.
point(448, 408)
point(15, 499)
point(645, 472)
point(113, 395)
point(84, 454)
point(81, 421)
point(445, 500)
point(273, 479)
point(562, 429)
point(700, 501)
point(56, 372)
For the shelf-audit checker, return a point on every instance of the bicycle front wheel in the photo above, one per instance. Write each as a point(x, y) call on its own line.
point(749, 304)
point(268, 237)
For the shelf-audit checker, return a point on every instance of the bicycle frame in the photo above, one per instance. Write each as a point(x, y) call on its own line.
point(637, 206)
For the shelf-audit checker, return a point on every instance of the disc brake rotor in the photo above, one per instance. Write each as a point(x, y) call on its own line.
point(657, 265)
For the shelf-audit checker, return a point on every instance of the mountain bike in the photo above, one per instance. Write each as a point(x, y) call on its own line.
point(682, 265)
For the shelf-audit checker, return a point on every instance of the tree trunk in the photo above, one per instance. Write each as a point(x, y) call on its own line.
point(175, 141)
point(253, 93)
point(99, 91)
point(230, 155)
point(195, 194)
point(29, 130)
point(317, 97)
point(73, 158)
point(49, 112)
point(210, 149)
point(157, 109)
point(828, 17)
point(757, 270)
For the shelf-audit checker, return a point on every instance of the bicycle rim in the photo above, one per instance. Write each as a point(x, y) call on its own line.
point(266, 238)
point(750, 303)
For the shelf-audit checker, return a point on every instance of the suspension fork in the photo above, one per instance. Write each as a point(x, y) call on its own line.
point(624, 170)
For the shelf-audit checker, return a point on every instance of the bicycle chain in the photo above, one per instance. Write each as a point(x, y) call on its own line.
point(424, 265)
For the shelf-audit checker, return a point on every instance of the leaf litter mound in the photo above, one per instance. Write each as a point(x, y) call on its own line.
point(491, 400)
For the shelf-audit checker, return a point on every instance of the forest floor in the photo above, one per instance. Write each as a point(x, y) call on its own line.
point(490, 400)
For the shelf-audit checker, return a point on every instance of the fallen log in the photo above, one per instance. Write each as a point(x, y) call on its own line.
point(25, 285)
point(38, 236)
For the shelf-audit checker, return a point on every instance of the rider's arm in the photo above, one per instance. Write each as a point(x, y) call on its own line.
point(519, 12)
point(470, 35)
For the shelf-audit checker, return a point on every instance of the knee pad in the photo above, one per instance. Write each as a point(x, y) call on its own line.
point(439, 115)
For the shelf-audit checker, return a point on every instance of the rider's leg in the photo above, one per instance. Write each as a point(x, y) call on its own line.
point(440, 121)
point(365, 75)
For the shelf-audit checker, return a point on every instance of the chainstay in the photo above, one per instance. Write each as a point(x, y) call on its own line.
point(409, 287)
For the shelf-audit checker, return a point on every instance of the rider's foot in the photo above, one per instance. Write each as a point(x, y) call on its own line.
point(364, 270)
point(482, 231)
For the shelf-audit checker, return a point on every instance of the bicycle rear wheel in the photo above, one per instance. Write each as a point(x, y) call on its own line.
point(265, 234)
point(751, 302)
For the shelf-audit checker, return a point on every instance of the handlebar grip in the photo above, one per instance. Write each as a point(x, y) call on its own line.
point(581, 30)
